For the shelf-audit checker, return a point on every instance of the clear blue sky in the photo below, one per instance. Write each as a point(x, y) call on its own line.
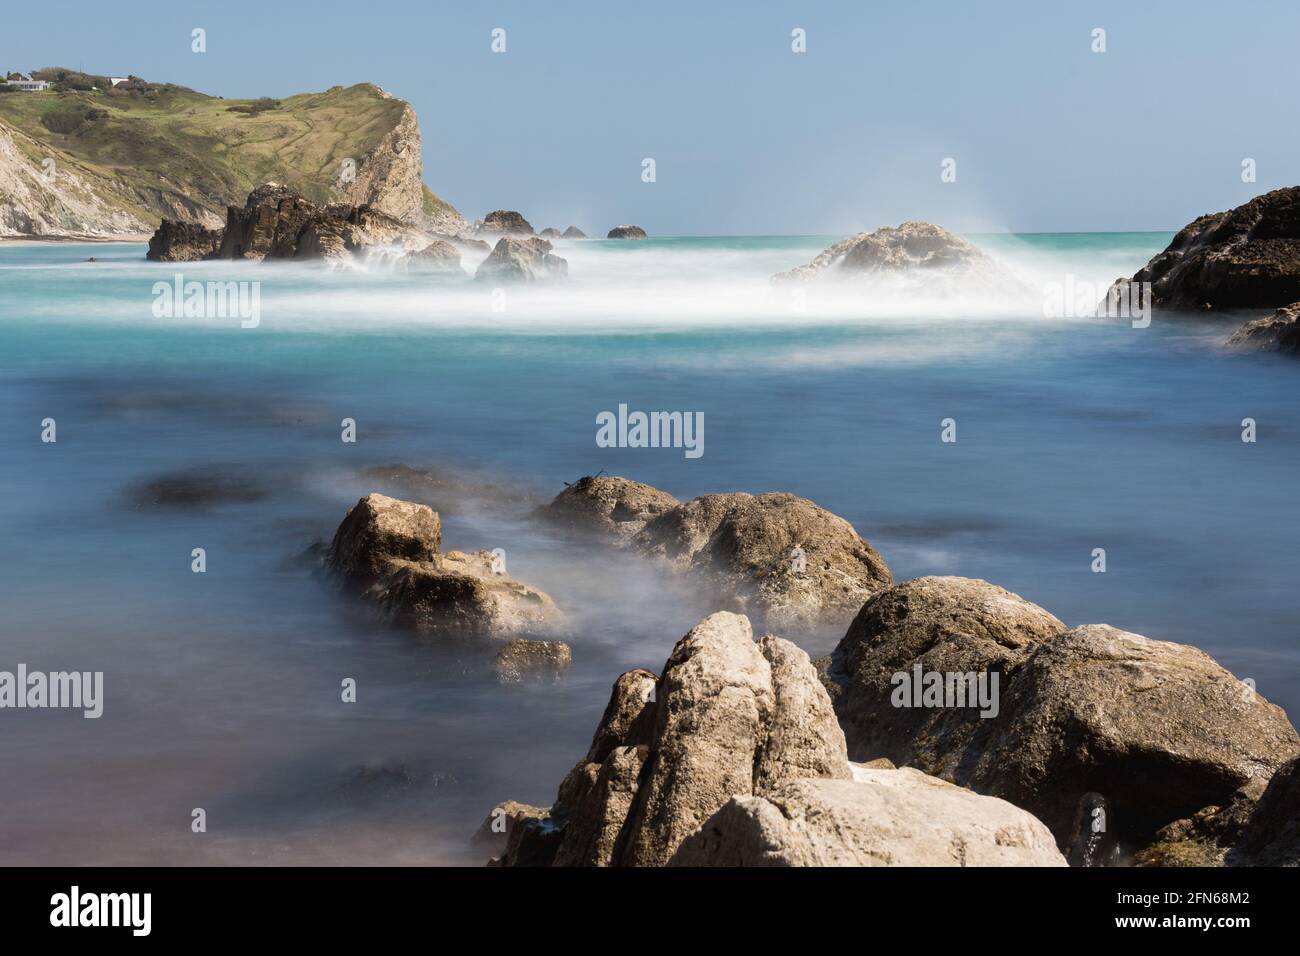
point(749, 137)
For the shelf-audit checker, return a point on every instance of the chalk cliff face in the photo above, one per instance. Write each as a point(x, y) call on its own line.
point(62, 199)
point(90, 165)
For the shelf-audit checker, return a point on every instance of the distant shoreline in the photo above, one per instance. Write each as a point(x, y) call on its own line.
point(42, 240)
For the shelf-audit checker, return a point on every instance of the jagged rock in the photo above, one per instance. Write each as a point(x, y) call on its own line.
point(379, 530)
point(778, 556)
point(519, 260)
point(775, 556)
point(276, 222)
point(494, 833)
point(460, 595)
point(573, 232)
point(439, 257)
point(389, 549)
point(626, 232)
point(729, 717)
point(1248, 257)
point(945, 625)
point(522, 660)
point(610, 505)
point(551, 233)
point(910, 247)
point(504, 222)
point(882, 818)
point(183, 242)
point(1279, 332)
point(1271, 836)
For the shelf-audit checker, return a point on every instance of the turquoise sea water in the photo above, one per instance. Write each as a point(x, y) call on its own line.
point(222, 689)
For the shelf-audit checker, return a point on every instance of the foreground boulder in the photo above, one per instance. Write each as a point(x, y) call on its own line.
point(521, 260)
point(1158, 729)
point(913, 247)
point(627, 232)
point(389, 550)
point(776, 556)
point(503, 222)
point(1248, 257)
point(729, 717)
point(879, 818)
point(1279, 332)
point(945, 625)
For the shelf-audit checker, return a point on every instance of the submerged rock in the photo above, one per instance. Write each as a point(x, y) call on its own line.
point(521, 260)
point(626, 232)
point(1248, 257)
point(1279, 332)
point(504, 222)
point(522, 660)
point(880, 818)
point(776, 556)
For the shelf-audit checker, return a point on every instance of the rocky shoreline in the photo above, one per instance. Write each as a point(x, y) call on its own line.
point(1085, 745)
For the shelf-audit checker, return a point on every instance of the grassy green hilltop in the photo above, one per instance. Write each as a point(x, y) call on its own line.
point(155, 150)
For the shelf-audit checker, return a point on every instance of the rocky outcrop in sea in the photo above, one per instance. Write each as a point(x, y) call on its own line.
point(626, 232)
point(777, 557)
point(522, 260)
point(277, 222)
point(1279, 332)
point(389, 551)
point(1245, 258)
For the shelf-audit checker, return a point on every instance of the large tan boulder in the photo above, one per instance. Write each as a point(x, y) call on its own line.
point(379, 530)
point(729, 716)
point(880, 818)
point(945, 625)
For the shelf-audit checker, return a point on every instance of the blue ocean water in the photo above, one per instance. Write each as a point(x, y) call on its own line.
point(223, 688)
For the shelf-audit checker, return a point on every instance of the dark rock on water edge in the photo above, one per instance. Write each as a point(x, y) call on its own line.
point(776, 556)
point(523, 660)
point(573, 232)
point(627, 232)
point(1245, 258)
point(277, 222)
